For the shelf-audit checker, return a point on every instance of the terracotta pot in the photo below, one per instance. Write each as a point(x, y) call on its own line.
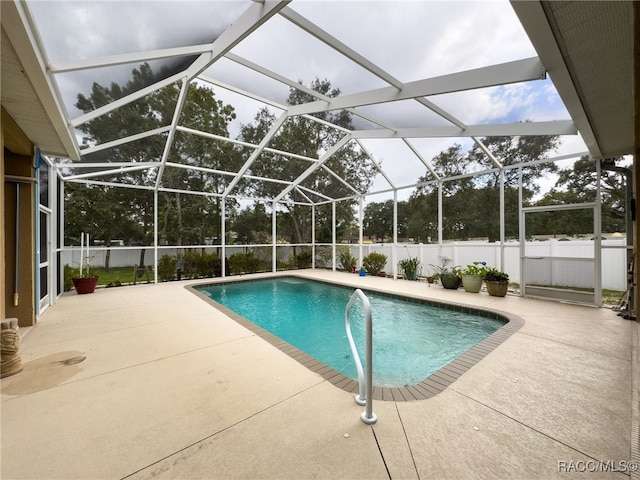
point(85, 284)
point(497, 289)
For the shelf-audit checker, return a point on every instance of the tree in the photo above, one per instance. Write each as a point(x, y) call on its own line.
point(510, 151)
point(463, 195)
point(252, 225)
point(378, 220)
point(306, 137)
point(182, 218)
point(577, 184)
point(196, 219)
point(96, 209)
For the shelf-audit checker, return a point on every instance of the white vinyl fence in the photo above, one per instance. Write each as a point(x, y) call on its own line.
point(557, 273)
point(560, 273)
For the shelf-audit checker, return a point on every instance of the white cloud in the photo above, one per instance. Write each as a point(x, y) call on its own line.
point(411, 40)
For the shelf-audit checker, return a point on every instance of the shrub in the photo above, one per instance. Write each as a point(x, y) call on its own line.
point(243, 263)
point(324, 257)
point(208, 265)
point(303, 259)
point(69, 273)
point(345, 258)
point(374, 262)
point(288, 264)
point(190, 269)
point(167, 267)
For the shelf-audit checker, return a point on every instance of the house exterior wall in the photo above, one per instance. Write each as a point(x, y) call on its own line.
point(17, 161)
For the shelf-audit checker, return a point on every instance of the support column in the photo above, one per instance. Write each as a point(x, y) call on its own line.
point(502, 219)
point(394, 254)
point(360, 231)
point(155, 235)
point(223, 237)
point(274, 232)
point(334, 235)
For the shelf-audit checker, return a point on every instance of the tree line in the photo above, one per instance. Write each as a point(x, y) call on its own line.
point(197, 163)
point(471, 207)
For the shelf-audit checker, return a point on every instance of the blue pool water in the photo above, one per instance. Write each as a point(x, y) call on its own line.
point(411, 340)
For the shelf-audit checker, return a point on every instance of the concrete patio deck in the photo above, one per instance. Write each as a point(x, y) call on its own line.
point(170, 387)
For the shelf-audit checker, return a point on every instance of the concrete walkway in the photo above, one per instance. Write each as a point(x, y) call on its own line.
point(150, 381)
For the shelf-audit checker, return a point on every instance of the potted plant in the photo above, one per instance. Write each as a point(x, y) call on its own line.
point(410, 267)
point(84, 282)
point(497, 282)
point(447, 275)
point(472, 276)
point(374, 263)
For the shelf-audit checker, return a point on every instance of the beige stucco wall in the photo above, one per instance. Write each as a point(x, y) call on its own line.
point(17, 160)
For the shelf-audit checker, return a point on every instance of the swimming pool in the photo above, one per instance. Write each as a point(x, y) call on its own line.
point(413, 340)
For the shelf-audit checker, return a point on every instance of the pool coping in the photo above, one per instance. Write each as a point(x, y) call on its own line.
point(434, 384)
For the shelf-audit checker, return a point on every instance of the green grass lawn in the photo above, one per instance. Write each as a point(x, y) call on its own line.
point(123, 274)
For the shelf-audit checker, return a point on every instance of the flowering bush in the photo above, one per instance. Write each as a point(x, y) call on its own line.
point(476, 268)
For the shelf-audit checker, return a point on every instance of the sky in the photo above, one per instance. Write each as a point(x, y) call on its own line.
point(410, 40)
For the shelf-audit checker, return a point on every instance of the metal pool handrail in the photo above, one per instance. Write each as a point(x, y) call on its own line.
point(364, 385)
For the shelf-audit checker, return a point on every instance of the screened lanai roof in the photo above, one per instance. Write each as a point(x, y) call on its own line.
point(415, 76)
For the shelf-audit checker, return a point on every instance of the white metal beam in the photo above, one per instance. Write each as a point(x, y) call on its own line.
point(297, 85)
point(441, 112)
point(128, 58)
point(252, 158)
point(559, 127)
point(502, 74)
point(244, 144)
point(336, 44)
point(112, 184)
point(121, 141)
point(81, 165)
point(240, 91)
point(256, 15)
point(341, 180)
point(487, 152)
point(132, 97)
point(376, 163)
point(339, 144)
point(313, 192)
point(174, 122)
point(422, 159)
point(113, 171)
point(196, 168)
point(300, 192)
